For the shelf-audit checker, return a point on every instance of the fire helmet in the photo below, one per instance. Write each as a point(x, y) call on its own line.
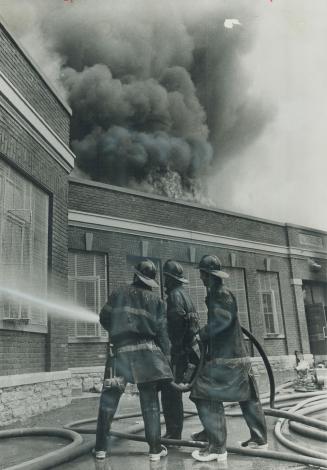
point(173, 269)
point(211, 264)
point(146, 271)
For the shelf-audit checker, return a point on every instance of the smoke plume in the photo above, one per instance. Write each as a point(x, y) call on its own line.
point(157, 88)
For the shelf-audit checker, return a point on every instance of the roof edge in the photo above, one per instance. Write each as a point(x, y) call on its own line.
point(307, 228)
point(120, 189)
point(35, 66)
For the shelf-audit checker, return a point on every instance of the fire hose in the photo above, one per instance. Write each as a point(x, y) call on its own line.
point(296, 416)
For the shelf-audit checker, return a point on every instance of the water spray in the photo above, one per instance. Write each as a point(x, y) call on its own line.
point(56, 309)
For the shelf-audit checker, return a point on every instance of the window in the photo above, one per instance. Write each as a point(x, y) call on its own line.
point(87, 286)
point(271, 303)
point(23, 248)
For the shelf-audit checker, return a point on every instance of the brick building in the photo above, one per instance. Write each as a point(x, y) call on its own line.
point(81, 239)
point(35, 161)
point(271, 265)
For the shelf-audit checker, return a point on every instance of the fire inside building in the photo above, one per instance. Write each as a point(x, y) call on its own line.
point(79, 239)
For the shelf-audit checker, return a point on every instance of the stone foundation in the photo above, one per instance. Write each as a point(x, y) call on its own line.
point(26, 395)
point(86, 379)
point(89, 379)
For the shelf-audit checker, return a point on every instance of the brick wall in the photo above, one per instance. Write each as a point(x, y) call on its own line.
point(21, 352)
point(20, 150)
point(17, 68)
point(118, 246)
point(85, 354)
point(107, 200)
point(104, 199)
point(306, 238)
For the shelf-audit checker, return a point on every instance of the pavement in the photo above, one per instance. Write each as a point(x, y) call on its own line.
point(130, 455)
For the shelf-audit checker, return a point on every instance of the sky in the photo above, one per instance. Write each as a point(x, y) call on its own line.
point(265, 119)
point(282, 175)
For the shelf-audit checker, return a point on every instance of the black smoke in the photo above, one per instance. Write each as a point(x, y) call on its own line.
point(157, 88)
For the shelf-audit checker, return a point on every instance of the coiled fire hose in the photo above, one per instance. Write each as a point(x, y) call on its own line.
point(318, 428)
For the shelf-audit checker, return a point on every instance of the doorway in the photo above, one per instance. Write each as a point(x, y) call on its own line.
point(315, 301)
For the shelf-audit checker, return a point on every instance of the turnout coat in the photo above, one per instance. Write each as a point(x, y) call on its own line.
point(183, 324)
point(227, 374)
point(135, 318)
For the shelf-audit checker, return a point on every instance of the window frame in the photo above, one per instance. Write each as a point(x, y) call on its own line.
point(99, 338)
point(278, 316)
point(30, 318)
point(273, 312)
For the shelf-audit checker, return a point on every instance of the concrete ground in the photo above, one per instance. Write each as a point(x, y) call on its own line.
point(129, 455)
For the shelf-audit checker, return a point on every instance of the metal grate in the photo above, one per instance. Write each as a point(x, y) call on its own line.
point(23, 243)
point(271, 303)
point(87, 285)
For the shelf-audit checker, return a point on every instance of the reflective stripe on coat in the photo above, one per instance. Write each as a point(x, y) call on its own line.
point(135, 318)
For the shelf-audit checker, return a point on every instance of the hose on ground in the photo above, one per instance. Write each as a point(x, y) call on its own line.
point(280, 399)
point(315, 460)
point(295, 412)
point(78, 447)
point(52, 458)
point(305, 430)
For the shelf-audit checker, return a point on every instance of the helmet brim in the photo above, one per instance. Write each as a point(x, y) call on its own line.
point(179, 279)
point(216, 273)
point(146, 280)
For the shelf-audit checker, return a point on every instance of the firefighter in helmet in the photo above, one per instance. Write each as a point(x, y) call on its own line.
point(135, 318)
point(227, 374)
point(183, 325)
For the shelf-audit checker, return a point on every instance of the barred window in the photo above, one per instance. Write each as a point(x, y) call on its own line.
point(24, 212)
point(87, 286)
point(271, 303)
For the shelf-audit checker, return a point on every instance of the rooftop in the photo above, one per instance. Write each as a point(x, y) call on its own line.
point(156, 197)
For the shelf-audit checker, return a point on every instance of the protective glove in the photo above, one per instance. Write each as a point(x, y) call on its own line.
point(189, 373)
point(184, 387)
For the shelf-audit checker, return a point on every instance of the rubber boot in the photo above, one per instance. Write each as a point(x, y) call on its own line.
point(151, 415)
point(108, 406)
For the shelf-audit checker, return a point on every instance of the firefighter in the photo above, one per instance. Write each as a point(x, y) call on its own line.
point(183, 324)
point(227, 374)
point(135, 318)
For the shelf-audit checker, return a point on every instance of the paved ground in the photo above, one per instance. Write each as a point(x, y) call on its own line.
point(128, 455)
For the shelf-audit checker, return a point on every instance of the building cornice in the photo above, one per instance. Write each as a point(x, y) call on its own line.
point(28, 113)
point(114, 224)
